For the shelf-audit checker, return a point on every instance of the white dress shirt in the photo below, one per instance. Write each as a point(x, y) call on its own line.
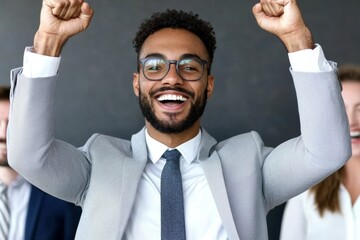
point(301, 220)
point(19, 196)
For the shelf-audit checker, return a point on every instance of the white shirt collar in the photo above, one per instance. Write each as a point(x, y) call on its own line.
point(17, 182)
point(188, 150)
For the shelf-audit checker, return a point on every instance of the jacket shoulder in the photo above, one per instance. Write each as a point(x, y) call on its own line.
point(99, 144)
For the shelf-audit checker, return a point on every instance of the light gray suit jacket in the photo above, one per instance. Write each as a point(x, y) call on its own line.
point(246, 178)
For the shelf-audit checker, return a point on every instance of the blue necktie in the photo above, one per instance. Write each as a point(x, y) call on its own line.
point(172, 200)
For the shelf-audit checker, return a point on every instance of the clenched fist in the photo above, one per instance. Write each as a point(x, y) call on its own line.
point(59, 20)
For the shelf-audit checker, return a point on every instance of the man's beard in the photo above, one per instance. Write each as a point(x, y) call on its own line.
point(173, 126)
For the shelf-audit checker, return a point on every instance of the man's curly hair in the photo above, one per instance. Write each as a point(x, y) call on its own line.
point(177, 20)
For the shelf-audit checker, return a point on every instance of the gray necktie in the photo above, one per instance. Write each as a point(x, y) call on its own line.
point(172, 200)
point(4, 213)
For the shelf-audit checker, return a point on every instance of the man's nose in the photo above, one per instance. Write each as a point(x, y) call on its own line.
point(172, 77)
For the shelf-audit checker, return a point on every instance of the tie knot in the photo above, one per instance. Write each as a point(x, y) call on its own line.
point(172, 155)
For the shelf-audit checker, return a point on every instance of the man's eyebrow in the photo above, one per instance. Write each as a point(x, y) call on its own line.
point(186, 55)
point(190, 55)
point(155, 55)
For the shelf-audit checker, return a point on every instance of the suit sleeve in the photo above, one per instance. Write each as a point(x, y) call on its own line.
point(323, 147)
point(52, 165)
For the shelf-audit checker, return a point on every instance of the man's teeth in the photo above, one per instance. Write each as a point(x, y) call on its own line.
point(171, 97)
point(355, 134)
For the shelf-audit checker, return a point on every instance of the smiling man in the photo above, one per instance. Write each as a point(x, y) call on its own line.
point(172, 180)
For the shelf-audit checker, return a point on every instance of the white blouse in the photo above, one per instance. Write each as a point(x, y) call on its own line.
point(301, 220)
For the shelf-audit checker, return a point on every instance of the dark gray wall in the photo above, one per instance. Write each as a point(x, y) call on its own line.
point(253, 89)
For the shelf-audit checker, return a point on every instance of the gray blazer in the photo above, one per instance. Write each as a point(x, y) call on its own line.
point(246, 178)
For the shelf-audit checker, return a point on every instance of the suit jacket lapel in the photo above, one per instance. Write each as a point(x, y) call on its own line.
point(133, 171)
point(211, 164)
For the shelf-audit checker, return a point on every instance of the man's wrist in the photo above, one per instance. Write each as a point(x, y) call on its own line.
point(298, 41)
point(48, 44)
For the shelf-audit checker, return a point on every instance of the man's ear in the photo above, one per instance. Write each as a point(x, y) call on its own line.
point(210, 86)
point(136, 84)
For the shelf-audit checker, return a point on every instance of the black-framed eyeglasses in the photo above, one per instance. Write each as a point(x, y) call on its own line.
point(189, 68)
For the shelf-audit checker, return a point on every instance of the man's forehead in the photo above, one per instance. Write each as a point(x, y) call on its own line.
point(173, 43)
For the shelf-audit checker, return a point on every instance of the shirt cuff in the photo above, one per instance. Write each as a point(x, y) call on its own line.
point(37, 66)
point(309, 60)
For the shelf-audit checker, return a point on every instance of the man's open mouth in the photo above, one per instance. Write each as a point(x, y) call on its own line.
point(171, 98)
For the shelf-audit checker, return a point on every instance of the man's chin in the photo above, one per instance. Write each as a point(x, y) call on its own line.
point(170, 128)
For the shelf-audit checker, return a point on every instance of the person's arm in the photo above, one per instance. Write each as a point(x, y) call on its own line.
point(54, 166)
point(293, 225)
point(60, 20)
point(324, 144)
point(283, 19)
